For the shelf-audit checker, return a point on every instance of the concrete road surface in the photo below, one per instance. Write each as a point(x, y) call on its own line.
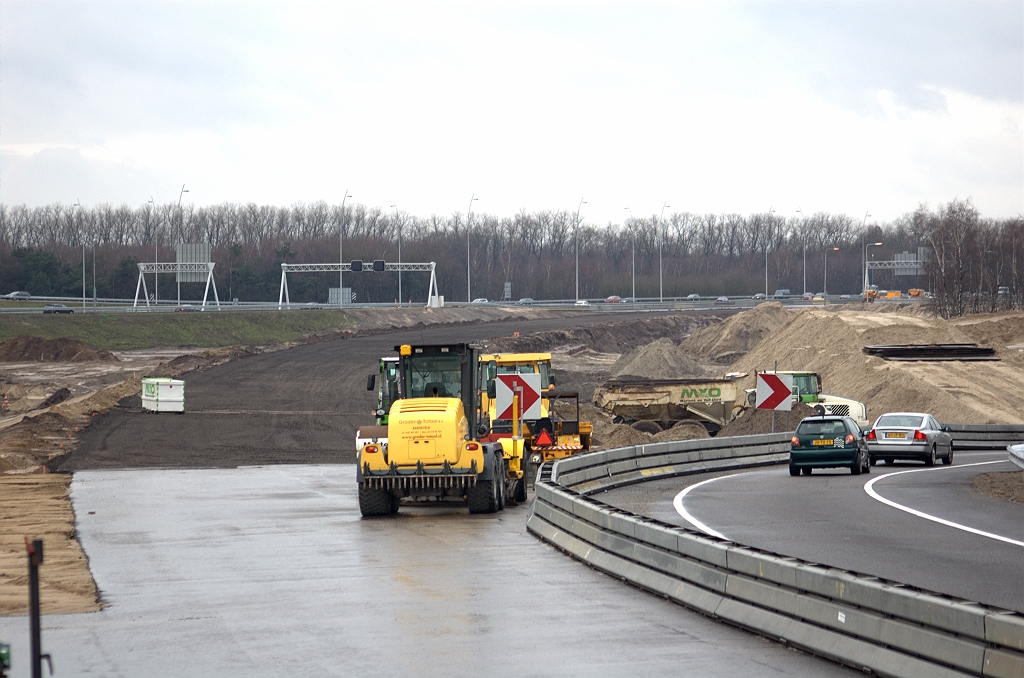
point(270, 571)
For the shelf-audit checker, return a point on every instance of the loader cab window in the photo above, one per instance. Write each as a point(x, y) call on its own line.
point(430, 376)
point(389, 393)
point(806, 384)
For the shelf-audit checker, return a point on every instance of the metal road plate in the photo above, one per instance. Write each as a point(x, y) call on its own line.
point(895, 434)
point(830, 441)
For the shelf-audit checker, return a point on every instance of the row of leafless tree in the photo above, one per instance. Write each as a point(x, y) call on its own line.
point(708, 254)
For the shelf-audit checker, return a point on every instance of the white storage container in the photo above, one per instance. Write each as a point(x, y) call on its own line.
point(163, 395)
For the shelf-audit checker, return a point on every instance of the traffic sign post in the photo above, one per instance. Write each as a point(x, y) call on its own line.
point(526, 386)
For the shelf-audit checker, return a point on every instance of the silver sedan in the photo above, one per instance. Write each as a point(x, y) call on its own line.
point(909, 435)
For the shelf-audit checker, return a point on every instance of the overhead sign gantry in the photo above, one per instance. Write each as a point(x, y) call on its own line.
point(357, 265)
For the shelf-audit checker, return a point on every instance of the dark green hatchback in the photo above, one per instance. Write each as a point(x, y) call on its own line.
point(828, 442)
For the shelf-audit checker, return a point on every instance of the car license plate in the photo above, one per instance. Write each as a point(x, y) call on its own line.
point(830, 441)
point(895, 434)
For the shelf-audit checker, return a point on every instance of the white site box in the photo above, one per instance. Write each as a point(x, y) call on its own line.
point(163, 395)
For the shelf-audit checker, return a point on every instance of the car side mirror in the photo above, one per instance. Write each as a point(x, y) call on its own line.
point(947, 429)
point(370, 381)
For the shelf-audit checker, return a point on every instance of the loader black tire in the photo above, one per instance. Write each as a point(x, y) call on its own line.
point(374, 502)
point(482, 498)
point(520, 491)
point(394, 502)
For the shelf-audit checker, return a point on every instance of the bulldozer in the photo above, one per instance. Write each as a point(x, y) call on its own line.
point(431, 448)
point(549, 429)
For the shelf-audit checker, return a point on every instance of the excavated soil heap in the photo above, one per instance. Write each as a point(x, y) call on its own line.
point(1005, 485)
point(728, 341)
point(26, 349)
point(829, 342)
point(755, 422)
point(660, 359)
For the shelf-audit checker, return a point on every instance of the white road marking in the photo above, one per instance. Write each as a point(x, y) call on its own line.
point(920, 514)
point(678, 504)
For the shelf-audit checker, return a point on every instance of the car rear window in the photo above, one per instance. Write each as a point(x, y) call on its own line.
point(821, 428)
point(901, 420)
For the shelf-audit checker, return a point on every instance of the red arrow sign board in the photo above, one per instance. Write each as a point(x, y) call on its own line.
point(526, 386)
point(774, 391)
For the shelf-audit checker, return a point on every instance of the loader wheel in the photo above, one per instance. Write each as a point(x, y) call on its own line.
point(394, 503)
point(374, 502)
point(520, 491)
point(482, 497)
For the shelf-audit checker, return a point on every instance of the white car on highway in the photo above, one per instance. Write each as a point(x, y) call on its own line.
point(909, 435)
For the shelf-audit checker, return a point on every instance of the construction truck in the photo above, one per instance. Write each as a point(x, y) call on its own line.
point(434, 452)
point(807, 389)
point(549, 432)
point(711, 402)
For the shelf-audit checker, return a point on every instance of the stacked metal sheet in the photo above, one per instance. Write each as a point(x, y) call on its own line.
point(932, 352)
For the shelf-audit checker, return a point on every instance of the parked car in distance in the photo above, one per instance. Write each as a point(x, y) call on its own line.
point(57, 308)
point(614, 299)
point(18, 296)
point(782, 294)
point(807, 297)
point(909, 435)
point(186, 308)
point(759, 295)
point(526, 301)
point(845, 297)
point(480, 300)
point(582, 302)
point(722, 300)
point(828, 442)
point(693, 297)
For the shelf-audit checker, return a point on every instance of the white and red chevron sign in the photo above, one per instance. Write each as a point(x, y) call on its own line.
point(526, 386)
point(774, 391)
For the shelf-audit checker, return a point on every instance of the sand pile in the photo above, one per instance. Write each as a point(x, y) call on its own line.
point(728, 341)
point(830, 341)
point(660, 359)
point(25, 349)
point(755, 422)
point(608, 435)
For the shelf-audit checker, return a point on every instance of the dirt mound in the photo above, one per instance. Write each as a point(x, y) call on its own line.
point(59, 396)
point(996, 330)
point(26, 349)
point(659, 359)
point(1005, 485)
point(197, 362)
point(616, 337)
point(683, 430)
point(728, 341)
point(755, 422)
point(829, 342)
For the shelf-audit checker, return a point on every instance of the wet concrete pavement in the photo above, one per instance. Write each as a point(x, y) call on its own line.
point(266, 571)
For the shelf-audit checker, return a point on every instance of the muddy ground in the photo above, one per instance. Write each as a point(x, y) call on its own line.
point(1004, 485)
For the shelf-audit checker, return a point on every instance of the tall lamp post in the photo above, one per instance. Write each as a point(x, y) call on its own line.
point(767, 244)
point(661, 279)
point(156, 257)
point(804, 229)
point(79, 206)
point(178, 274)
point(632, 230)
point(341, 248)
point(867, 280)
point(576, 245)
point(469, 222)
point(825, 282)
point(395, 206)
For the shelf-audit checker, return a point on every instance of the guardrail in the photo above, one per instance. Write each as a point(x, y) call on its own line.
point(985, 436)
point(883, 626)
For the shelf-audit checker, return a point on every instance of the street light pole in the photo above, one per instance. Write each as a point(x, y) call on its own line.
point(767, 244)
point(469, 222)
point(177, 275)
point(804, 229)
point(864, 258)
point(661, 278)
point(867, 280)
point(79, 206)
point(576, 245)
point(341, 248)
point(395, 206)
point(632, 230)
point(156, 257)
point(825, 281)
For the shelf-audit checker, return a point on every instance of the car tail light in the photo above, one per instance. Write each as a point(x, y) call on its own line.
point(472, 446)
point(849, 439)
point(871, 435)
point(920, 436)
point(795, 441)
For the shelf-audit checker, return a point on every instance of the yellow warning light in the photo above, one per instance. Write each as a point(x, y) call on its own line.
point(405, 349)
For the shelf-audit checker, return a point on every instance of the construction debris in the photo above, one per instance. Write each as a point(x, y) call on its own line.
point(932, 352)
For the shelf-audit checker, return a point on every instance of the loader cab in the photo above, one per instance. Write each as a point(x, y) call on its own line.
point(440, 371)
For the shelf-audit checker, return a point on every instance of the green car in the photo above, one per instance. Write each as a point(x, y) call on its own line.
point(828, 442)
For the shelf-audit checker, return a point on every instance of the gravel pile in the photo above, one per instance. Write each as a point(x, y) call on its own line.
point(728, 341)
point(25, 349)
point(660, 359)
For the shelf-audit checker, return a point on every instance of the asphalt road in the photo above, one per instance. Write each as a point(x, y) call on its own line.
point(299, 406)
point(271, 571)
point(829, 518)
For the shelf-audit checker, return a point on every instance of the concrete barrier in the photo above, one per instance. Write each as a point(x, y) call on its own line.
point(865, 622)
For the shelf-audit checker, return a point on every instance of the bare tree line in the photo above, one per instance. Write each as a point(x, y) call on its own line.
point(705, 253)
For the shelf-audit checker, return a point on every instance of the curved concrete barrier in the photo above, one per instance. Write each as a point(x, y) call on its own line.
point(1017, 454)
point(886, 627)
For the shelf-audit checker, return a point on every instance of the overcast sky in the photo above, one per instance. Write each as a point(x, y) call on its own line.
point(706, 106)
